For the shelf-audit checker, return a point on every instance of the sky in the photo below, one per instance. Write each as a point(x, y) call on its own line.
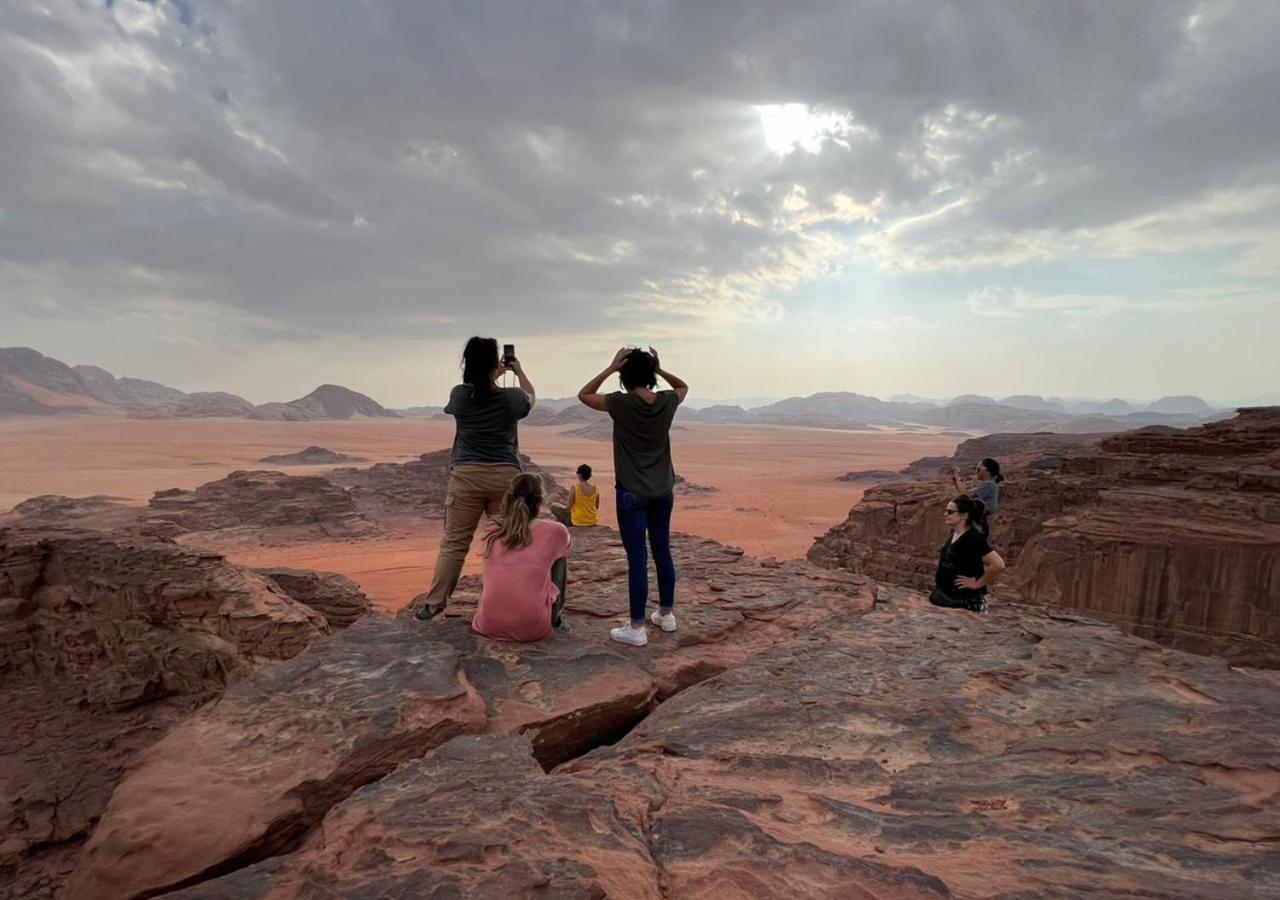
point(258, 196)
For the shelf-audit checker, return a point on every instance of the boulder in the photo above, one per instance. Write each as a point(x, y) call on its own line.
point(246, 778)
point(310, 456)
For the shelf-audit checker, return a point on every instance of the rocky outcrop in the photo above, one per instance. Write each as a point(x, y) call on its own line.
point(310, 456)
point(1172, 534)
point(258, 769)
point(329, 401)
point(277, 506)
point(685, 487)
point(105, 642)
point(869, 475)
point(908, 752)
point(115, 623)
point(416, 488)
point(334, 596)
point(57, 507)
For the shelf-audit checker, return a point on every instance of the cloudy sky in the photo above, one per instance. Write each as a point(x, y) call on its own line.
point(1072, 198)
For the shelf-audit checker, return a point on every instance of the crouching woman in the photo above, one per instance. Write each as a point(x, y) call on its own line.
point(524, 568)
point(967, 565)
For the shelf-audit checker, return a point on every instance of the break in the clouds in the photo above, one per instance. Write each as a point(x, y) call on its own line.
point(262, 194)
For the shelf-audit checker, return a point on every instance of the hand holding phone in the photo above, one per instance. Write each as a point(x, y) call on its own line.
point(508, 355)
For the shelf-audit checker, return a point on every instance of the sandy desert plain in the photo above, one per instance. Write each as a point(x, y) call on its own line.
point(776, 487)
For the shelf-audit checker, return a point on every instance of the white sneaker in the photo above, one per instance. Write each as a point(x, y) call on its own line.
point(666, 623)
point(625, 634)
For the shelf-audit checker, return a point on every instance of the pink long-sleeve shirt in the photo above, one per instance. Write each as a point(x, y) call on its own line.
point(515, 602)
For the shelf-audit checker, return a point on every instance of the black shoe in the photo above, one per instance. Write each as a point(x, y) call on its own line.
point(427, 612)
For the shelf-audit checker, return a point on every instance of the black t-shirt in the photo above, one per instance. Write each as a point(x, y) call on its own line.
point(487, 425)
point(642, 442)
point(963, 556)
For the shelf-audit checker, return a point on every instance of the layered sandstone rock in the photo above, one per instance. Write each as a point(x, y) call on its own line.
point(1174, 535)
point(105, 642)
point(115, 623)
point(334, 596)
point(271, 504)
point(906, 752)
point(258, 769)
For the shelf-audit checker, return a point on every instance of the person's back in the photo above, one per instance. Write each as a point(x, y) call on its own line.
point(518, 593)
point(642, 441)
point(486, 424)
point(584, 504)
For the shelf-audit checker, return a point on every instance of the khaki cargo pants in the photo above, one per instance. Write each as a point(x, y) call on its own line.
point(475, 489)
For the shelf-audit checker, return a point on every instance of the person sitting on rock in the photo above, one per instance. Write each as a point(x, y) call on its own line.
point(525, 571)
point(967, 565)
point(584, 507)
point(987, 490)
point(486, 456)
point(645, 479)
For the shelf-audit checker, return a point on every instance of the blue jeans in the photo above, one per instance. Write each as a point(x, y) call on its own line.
point(636, 515)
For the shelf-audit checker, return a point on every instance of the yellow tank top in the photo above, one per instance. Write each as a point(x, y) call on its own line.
point(583, 510)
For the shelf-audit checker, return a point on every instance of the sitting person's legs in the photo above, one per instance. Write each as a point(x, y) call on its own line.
point(560, 578)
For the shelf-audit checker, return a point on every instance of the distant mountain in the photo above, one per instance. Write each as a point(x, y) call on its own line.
point(420, 410)
point(134, 395)
point(912, 398)
point(1033, 401)
point(34, 384)
point(721, 414)
point(329, 401)
point(1184, 405)
point(972, 400)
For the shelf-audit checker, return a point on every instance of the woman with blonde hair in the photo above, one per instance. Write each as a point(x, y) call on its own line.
point(524, 568)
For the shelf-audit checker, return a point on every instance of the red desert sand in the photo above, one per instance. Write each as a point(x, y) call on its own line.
point(776, 487)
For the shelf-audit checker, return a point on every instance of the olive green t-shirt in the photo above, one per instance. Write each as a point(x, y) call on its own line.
point(642, 443)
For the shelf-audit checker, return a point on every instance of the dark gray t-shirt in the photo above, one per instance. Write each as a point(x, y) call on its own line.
point(486, 426)
point(641, 442)
point(989, 493)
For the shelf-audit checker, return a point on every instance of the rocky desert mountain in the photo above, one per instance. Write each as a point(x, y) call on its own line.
point(34, 384)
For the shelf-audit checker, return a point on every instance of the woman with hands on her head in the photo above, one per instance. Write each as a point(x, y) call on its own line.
point(645, 479)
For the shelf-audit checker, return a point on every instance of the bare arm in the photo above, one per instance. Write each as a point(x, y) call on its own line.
point(992, 565)
point(677, 384)
point(525, 384)
point(590, 394)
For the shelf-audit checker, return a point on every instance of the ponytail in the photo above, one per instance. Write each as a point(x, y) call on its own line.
point(974, 511)
point(479, 359)
point(520, 506)
point(994, 468)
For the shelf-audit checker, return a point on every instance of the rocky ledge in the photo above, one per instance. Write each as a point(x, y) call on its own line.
point(1171, 534)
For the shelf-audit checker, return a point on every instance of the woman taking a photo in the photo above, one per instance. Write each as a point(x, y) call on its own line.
point(524, 569)
point(486, 457)
point(645, 479)
point(967, 565)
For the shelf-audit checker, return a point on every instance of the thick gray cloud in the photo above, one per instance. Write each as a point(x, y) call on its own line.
point(360, 168)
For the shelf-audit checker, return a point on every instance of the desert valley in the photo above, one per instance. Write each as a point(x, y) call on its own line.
point(216, 688)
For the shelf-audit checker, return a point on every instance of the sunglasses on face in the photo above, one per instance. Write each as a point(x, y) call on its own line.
point(950, 512)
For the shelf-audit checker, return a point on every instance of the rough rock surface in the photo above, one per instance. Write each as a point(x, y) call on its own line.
point(282, 507)
point(57, 507)
point(114, 623)
point(334, 596)
point(259, 768)
point(907, 752)
point(729, 605)
point(310, 456)
point(1171, 534)
point(104, 643)
point(416, 488)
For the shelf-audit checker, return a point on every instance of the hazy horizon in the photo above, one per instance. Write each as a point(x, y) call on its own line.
point(909, 197)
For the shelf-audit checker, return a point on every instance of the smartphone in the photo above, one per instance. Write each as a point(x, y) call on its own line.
point(508, 353)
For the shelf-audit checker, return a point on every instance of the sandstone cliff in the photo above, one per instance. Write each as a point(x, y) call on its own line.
point(1171, 534)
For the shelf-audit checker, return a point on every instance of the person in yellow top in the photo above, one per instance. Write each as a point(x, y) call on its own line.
point(584, 508)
